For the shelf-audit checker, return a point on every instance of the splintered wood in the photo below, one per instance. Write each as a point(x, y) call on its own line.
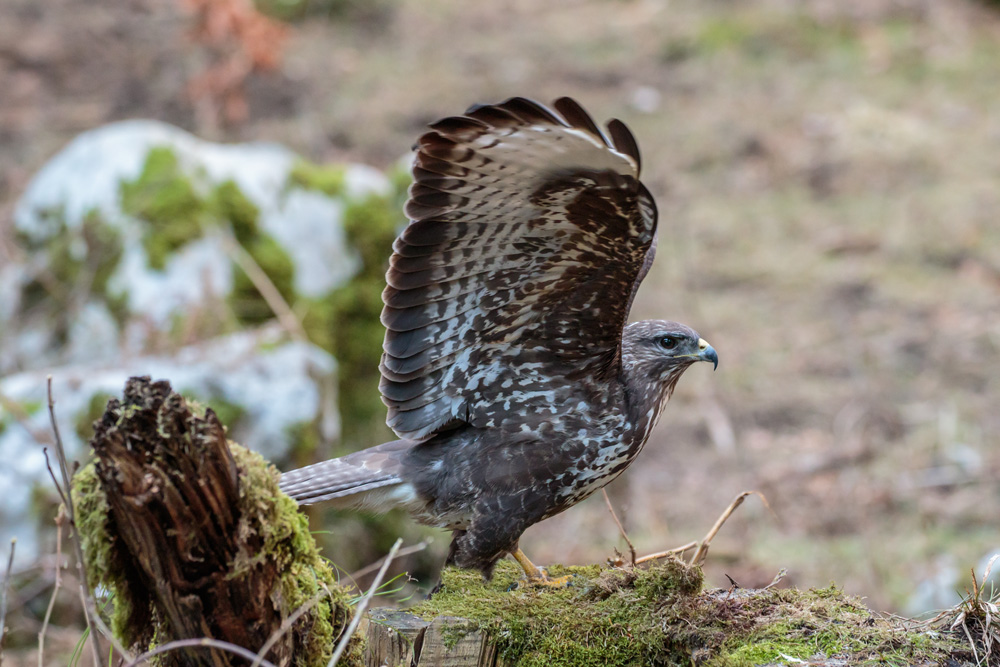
point(399, 639)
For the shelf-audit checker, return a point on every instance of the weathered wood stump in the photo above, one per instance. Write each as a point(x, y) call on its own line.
point(195, 540)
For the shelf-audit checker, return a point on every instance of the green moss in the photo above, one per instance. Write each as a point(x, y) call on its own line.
point(232, 205)
point(371, 226)
point(176, 213)
point(286, 541)
point(166, 199)
point(247, 303)
point(600, 619)
point(229, 413)
point(101, 548)
point(309, 176)
point(660, 616)
point(74, 256)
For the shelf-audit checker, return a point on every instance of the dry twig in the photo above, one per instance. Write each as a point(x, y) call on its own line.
point(416, 548)
point(89, 607)
point(265, 286)
point(677, 551)
point(5, 593)
point(621, 528)
point(60, 522)
point(52, 474)
point(359, 611)
point(699, 556)
point(194, 643)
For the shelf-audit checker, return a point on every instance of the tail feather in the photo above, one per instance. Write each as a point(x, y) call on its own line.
point(350, 475)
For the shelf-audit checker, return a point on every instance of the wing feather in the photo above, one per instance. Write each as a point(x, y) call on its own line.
point(529, 234)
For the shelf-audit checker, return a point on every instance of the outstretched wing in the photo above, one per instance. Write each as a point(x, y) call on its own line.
point(529, 234)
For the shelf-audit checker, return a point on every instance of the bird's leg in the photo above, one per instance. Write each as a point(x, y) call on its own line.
point(536, 576)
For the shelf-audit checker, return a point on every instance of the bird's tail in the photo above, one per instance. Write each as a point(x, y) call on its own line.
point(371, 477)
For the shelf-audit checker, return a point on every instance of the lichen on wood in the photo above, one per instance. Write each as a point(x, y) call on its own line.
point(193, 539)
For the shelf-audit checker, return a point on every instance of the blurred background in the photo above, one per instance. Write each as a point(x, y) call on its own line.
point(828, 178)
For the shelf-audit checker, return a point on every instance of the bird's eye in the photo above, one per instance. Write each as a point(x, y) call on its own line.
point(667, 342)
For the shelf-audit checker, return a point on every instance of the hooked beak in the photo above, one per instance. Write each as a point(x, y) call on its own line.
point(707, 353)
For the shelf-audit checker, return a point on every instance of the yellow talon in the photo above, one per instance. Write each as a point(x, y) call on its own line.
point(552, 582)
point(536, 575)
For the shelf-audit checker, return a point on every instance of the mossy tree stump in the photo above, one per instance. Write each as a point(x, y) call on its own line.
point(618, 617)
point(194, 539)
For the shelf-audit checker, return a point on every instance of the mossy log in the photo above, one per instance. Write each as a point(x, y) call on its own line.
point(611, 617)
point(194, 539)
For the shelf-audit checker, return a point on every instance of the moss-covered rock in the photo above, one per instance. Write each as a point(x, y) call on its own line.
point(660, 616)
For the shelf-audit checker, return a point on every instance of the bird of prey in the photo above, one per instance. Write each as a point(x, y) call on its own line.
point(510, 376)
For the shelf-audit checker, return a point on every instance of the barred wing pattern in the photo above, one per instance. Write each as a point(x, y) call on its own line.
point(529, 234)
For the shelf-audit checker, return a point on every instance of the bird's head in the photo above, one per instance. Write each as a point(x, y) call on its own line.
point(658, 352)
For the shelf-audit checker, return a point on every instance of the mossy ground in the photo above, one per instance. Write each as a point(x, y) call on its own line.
point(660, 616)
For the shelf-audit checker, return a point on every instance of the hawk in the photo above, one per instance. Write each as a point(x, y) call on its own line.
point(510, 376)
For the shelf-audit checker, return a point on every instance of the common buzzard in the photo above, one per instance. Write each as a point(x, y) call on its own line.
point(511, 378)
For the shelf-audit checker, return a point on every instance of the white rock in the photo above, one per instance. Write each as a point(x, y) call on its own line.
point(279, 385)
point(86, 177)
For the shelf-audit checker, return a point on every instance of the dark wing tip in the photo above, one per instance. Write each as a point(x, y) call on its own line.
point(624, 141)
point(577, 117)
point(531, 111)
point(493, 116)
point(458, 125)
